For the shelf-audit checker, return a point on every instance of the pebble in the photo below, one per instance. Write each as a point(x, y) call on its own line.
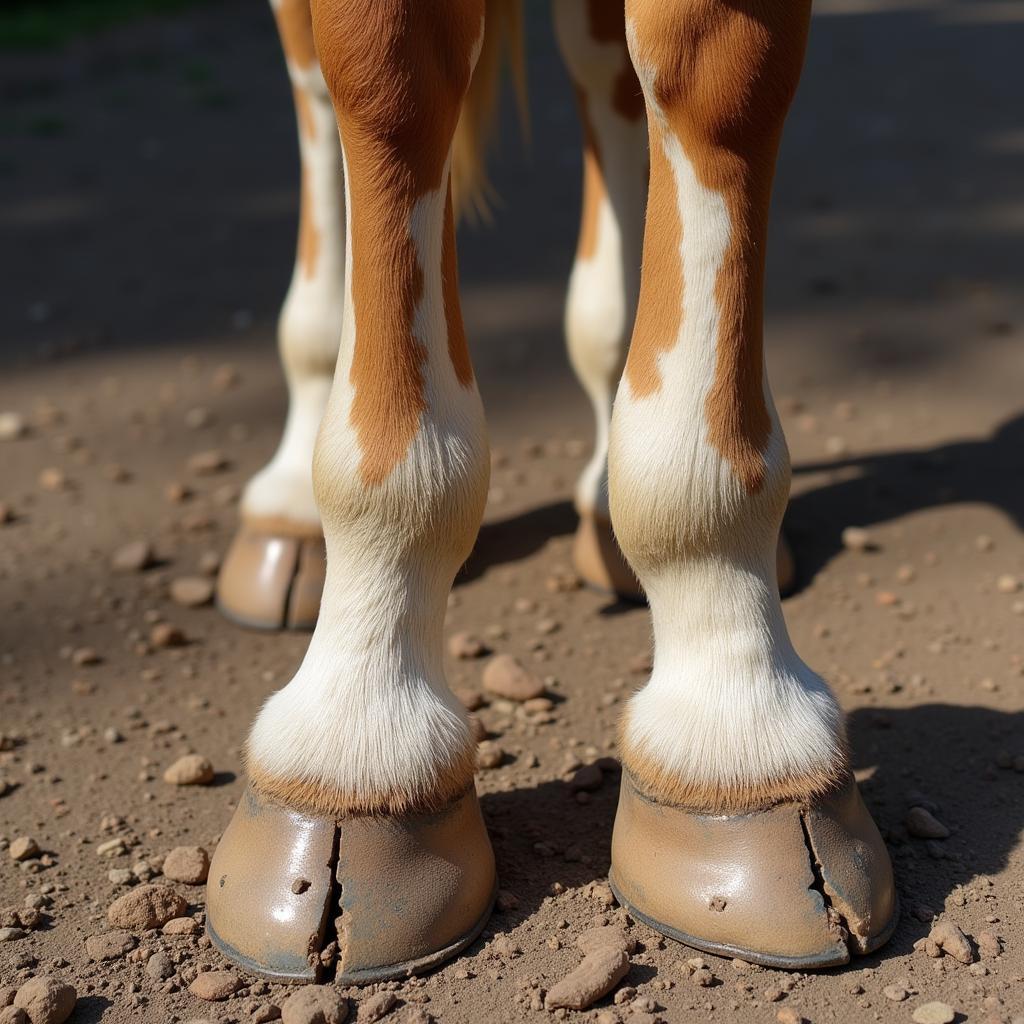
point(189, 864)
point(1007, 584)
point(46, 1000)
point(12, 934)
point(856, 538)
point(922, 824)
point(989, 944)
point(148, 906)
point(466, 646)
point(895, 993)
point(133, 557)
point(164, 634)
point(190, 770)
point(192, 591)
point(109, 945)
point(377, 1006)
point(489, 755)
point(605, 964)
point(209, 462)
point(314, 1004)
point(12, 426)
point(160, 966)
point(214, 986)
point(934, 1013)
point(946, 937)
point(505, 676)
point(23, 848)
point(53, 479)
point(787, 1015)
point(181, 926)
point(587, 779)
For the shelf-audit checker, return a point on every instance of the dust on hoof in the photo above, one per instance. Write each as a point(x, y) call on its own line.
point(273, 575)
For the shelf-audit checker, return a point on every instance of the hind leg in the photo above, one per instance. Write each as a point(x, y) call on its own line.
point(605, 276)
point(272, 576)
point(359, 849)
point(739, 829)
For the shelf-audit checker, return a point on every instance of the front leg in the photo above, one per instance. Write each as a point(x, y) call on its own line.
point(361, 825)
point(740, 829)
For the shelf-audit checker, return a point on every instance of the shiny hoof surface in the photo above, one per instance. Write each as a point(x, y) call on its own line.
point(300, 898)
point(272, 576)
point(793, 886)
point(600, 563)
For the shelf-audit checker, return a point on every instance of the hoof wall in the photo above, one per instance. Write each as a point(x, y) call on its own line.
point(272, 577)
point(296, 897)
point(600, 562)
point(793, 886)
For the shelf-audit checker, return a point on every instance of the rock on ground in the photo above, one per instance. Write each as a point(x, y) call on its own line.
point(190, 770)
point(214, 986)
point(507, 677)
point(148, 906)
point(605, 964)
point(314, 1004)
point(922, 824)
point(934, 1013)
point(189, 864)
point(46, 1000)
point(109, 945)
point(376, 1006)
point(946, 937)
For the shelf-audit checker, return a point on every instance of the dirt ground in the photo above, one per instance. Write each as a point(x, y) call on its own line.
point(148, 211)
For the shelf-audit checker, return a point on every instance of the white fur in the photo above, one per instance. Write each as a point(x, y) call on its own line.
point(369, 711)
point(729, 700)
point(601, 302)
point(309, 328)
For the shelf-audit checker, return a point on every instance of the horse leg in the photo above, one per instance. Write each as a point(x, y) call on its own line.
point(740, 829)
point(361, 808)
point(273, 573)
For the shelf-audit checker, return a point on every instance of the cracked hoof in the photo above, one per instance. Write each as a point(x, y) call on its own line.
point(599, 561)
point(792, 886)
point(273, 575)
point(298, 898)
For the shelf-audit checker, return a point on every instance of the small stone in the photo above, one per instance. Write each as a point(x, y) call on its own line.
point(215, 986)
point(471, 700)
point(111, 848)
point(605, 964)
point(109, 945)
point(787, 1015)
point(946, 937)
point(934, 1013)
point(160, 966)
point(377, 1006)
point(23, 848)
point(190, 770)
point(181, 926)
point(84, 656)
point(148, 906)
point(133, 557)
point(300, 885)
point(46, 1000)
point(14, 1015)
point(314, 1004)
point(466, 646)
point(12, 934)
point(989, 944)
point(164, 634)
point(192, 591)
point(856, 538)
point(489, 755)
point(189, 864)
point(505, 676)
point(922, 824)
point(12, 426)
point(53, 479)
point(209, 462)
point(895, 993)
point(1007, 584)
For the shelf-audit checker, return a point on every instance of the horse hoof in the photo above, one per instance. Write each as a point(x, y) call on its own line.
point(793, 886)
point(599, 561)
point(273, 575)
point(296, 897)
